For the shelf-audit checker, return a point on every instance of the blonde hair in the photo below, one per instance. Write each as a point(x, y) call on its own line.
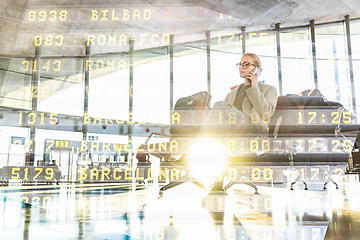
point(255, 58)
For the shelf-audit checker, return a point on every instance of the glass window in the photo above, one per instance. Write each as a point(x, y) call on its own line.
point(190, 69)
point(42, 135)
point(61, 146)
point(332, 64)
point(226, 51)
point(61, 88)
point(264, 45)
point(15, 82)
point(109, 87)
point(104, 148)
point(14, 143)
point(296, 61)
point(355, 47)
point(151, 86)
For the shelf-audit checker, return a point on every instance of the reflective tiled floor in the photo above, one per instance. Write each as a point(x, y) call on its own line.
point(121, 211)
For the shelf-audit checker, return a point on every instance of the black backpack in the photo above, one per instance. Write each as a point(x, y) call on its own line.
point(189, 113)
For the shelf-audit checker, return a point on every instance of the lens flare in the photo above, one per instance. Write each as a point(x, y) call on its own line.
point(207, 160)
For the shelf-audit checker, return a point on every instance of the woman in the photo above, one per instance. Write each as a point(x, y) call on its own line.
point(252, 102)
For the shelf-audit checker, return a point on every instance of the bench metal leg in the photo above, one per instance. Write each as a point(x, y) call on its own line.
point(251, 184)
point(293, 183)
point(180, 181)
point(246, 181)
point(336, 185)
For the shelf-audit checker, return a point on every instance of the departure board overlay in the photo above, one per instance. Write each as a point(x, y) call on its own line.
point(168, 173)
point(86, 88)
point(67, 26)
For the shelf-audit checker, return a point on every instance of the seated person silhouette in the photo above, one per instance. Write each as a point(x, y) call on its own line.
point(247, 108)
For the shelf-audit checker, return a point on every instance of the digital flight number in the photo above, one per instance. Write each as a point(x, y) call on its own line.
point(49, 40)
point(267, 174)
point(246, 145)
point(321, 117)
point(57, 144)
point(232, 37)
point(288, 117)
point(253, 145)
point(344, 145)
point(99, 147)
point(44, 92)
point(258, 174)
point(33, 118)
point(32, 174)
point(39, 201)
point(50, 65)
point(318, 174)
point(51, 15)
point(224, 117)
point(232, 118)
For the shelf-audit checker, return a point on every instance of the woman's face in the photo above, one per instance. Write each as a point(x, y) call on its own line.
point(244, 72)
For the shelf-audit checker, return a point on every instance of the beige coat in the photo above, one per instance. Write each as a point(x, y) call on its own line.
point(259, 103)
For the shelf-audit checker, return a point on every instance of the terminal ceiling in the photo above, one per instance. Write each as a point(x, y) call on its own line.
point(187, 20)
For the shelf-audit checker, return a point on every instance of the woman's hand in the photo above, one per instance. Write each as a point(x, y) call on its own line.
point(253, 79)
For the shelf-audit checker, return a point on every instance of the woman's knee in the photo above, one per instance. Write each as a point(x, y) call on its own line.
point(220, 104)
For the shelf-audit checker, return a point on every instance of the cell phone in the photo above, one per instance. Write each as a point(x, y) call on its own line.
point(257, 72)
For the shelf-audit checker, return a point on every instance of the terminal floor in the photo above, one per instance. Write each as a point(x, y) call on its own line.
point(122, 211)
